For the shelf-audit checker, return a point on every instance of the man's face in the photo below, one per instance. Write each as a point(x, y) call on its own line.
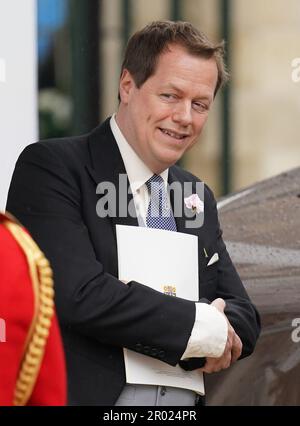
point(164, 117)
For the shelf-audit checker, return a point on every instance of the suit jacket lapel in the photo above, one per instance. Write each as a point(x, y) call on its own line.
point(175, 175)
point(107, 166)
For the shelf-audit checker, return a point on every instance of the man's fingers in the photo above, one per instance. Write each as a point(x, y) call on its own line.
point(237, 347)
point(233, 348)
point(219, 304)
point(213, 365)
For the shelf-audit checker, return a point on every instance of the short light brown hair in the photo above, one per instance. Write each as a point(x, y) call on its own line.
point(145, 47)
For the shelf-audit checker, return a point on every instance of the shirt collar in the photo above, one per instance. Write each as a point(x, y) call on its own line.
point(137, 171)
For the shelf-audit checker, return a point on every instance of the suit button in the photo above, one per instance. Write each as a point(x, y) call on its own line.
point(146, 349)
point(138, 347)
point(161, 354)
point(153, 352)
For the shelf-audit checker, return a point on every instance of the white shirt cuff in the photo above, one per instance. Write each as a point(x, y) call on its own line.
point(209, 334)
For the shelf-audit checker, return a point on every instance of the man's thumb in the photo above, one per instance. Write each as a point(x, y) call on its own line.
point(219, 304)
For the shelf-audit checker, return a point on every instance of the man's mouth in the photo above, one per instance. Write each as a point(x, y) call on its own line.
point(174, 134)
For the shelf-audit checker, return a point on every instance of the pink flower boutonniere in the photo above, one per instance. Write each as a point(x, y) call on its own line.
point(193, 202)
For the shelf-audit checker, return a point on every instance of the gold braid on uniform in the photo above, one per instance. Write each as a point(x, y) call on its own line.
point(42, 285)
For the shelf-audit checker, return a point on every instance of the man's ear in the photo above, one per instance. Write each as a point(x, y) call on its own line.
point(126, 86)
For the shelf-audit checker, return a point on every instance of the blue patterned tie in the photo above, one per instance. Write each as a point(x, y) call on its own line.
point(159, 214)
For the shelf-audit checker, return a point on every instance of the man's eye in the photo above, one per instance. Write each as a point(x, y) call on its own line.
point(200, 107)
point(168, 96)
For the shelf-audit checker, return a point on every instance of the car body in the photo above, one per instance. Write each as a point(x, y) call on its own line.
point(261, 226)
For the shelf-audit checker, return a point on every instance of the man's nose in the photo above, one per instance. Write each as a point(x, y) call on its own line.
point(182, 113)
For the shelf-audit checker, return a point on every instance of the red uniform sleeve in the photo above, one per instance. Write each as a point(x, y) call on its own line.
point(50, 388)
point(16, 312)
point(16, 308)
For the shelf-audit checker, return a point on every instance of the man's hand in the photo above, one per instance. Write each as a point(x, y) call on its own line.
point(233, 348)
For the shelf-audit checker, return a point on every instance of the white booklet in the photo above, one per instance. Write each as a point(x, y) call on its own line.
point(168, 262)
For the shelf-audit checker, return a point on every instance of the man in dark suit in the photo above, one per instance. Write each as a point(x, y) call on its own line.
point(170, 75)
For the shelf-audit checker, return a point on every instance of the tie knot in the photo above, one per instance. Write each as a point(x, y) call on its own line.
point(155, 182)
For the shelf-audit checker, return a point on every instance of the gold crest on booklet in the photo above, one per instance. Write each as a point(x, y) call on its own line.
point(170, 290)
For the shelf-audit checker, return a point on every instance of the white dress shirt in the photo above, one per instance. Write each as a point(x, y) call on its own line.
point(209, 333)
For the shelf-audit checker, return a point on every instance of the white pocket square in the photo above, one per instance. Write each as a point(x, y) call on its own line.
point(213, 259)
